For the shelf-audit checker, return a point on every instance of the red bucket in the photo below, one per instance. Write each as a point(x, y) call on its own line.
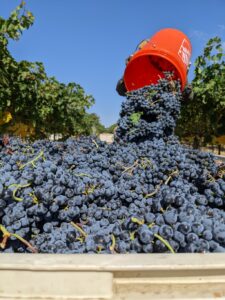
point(168, 50)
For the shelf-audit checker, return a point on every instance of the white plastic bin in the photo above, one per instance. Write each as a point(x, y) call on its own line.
point(114, 277)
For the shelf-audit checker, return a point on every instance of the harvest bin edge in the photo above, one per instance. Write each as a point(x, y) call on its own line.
point(115, 277)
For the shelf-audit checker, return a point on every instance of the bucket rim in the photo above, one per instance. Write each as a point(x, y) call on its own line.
point(158, 53)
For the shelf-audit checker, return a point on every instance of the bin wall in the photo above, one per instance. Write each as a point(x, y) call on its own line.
point(131, 276)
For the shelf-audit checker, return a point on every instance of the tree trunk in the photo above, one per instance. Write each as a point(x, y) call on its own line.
point(196, 143)
point(219, 149)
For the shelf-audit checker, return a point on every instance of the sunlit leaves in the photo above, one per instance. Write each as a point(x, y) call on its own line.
point(203, 116)
point(34, 99)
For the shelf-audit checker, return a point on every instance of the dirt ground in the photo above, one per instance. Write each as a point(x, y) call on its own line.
point(106, 137)
point(214, 150)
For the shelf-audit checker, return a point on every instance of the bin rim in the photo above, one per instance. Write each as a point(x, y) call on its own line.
point(113, 262)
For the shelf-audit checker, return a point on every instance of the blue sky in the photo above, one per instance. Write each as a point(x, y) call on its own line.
point(87, 41)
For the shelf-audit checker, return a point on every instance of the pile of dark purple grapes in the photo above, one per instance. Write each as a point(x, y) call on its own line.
point(149, 113)
point(144, 193)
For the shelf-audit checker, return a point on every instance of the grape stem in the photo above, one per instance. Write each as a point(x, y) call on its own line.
point(32, 162)
point(95, 143)
point(154, 102)
point(154, 192)
point(83, 233)
point(137, 221)
point(18, 186)
point(112, 247)
point(16, 189)
point(145, 162)
point(166, 182)
point(132, 235)
point(164, 242)
point(34, 198)
point(99, 248)
point(171, 176)
point(7, 235)
point(131, 167)
point(82, 175)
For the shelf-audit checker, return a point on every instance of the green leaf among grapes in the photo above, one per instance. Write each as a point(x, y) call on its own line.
point(135, 117)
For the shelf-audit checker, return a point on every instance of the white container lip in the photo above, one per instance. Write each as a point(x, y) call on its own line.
point(112, 262)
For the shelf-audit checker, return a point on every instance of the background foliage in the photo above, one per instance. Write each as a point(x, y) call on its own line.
point(203, 115)
point(33, 104)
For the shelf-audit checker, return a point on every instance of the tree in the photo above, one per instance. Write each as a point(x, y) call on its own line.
point(94, 125)
point(35, 101)
point(111, 128)
point(202, 118)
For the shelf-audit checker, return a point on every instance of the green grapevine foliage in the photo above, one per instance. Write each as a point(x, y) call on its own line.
point(32, 98)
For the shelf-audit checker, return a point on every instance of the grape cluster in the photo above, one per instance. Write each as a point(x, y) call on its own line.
point(150, 112)
point(144, 193)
